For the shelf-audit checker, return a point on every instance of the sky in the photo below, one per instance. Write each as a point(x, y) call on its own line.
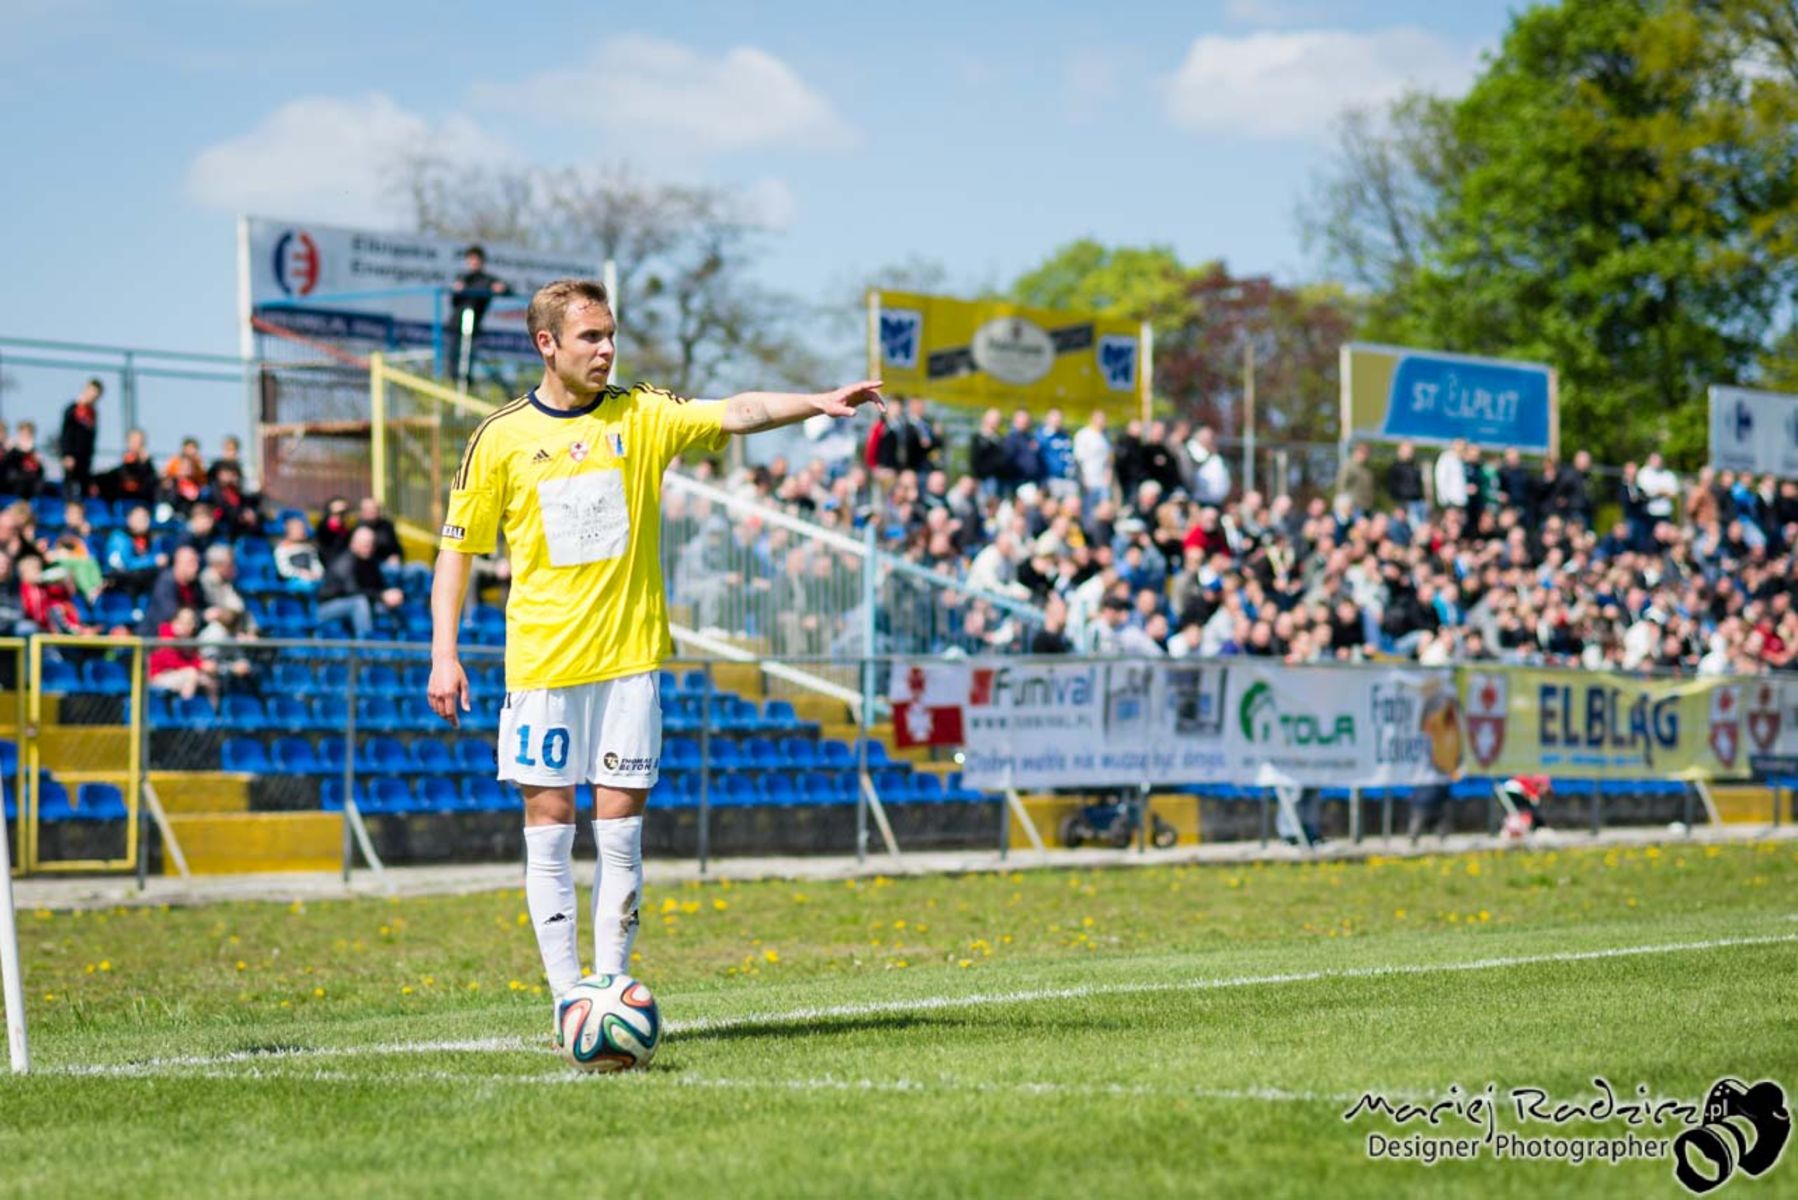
point(977, 135)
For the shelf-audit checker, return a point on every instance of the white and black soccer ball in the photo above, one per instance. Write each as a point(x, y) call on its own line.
point(608, 1023)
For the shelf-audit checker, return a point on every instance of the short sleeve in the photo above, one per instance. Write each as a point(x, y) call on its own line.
point(477, 497)
point(680, 424)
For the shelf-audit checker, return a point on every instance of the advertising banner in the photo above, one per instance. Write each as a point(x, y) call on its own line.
point(1598, 725)
point(1770, 721)
point(1095, 723)
point(373, 286)
point(1393, 394)
point(1754, 431)
point(1327, 727)
point(977, 353)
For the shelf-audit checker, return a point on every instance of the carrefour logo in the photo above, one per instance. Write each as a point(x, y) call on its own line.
point(1261, 721)
point(296, 262)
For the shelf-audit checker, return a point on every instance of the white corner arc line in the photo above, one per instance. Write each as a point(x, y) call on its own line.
point(177, 1063)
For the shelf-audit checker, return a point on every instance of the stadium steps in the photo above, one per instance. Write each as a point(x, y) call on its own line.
point(9, 711)
point(1048, 809)
point(68, 748)
point(745, 679)
point(1743, 804)
point(198, 792)
point(232, 843)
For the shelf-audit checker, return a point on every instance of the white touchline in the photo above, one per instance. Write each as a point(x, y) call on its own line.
point(927, 1004)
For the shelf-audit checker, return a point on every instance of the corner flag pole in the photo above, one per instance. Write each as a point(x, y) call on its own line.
point(9, 959)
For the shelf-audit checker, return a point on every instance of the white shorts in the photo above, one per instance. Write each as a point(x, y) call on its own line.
point(607, 733)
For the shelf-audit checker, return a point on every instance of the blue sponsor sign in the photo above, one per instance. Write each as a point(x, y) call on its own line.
point(1491, 404)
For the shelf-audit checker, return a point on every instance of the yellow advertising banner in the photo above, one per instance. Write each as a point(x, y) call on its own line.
point(981, 353)
point(1597, 725)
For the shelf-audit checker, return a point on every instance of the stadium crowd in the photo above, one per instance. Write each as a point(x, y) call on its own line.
point(160, 550)
point(1137, 541)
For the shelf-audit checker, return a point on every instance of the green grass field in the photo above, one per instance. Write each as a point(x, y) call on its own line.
point(1145, 1031)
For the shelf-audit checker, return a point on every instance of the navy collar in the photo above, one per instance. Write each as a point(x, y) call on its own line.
point(569, 413)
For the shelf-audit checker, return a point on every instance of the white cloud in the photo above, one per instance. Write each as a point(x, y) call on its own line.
point(329, 158)
point(1262, 13)
point(1293, 84)
point(769, 204)
point(656, 99)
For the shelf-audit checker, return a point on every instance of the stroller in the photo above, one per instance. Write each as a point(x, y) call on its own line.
point(1114, 822)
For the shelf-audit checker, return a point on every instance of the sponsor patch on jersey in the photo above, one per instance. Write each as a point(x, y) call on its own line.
point(454, 531)
point(613, 761)
point(616, 442)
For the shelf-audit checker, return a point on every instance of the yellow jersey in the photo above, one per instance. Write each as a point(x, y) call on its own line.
point(578, 497)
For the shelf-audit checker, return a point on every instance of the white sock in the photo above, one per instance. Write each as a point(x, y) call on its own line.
point(617, 892)
point(549, 895)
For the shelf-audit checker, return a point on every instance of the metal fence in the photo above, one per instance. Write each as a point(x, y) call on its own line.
point(172, 757)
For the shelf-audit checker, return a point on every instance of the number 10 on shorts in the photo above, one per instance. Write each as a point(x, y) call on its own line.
point(554, 748)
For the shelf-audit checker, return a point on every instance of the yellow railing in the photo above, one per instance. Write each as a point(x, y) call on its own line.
point(31, 752)
point(427, 427)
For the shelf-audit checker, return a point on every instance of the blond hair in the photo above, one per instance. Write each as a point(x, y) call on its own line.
point(551, 302)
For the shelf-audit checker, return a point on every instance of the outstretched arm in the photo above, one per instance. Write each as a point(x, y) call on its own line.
point(752, 412)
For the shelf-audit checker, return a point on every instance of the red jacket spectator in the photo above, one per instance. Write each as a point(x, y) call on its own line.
point(172, 658)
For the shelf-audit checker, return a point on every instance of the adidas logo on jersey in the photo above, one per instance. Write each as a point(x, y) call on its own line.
point(542, 456)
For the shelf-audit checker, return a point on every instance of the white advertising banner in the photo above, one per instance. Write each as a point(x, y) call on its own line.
point(309, 275)
point(1339, 727)
point(1098, 723)
point(1770, 718)
point(1754, 431)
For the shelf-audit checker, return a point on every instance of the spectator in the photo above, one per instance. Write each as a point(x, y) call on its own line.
point(1093, 459)
point(1659, 488)
point(1159, 464)
point(44, 599)
point(239, 514)
point(353, 585)
point(1052, 637)
point(183, 478)
point(1129, 461)
point(297, 560)
point(1404, 483)
point(230, 459)
point(21, 468)
point(134, 557)
point(334, 529)
point(1058, 455)
point(1023, 452)
point(1574, 488)
point(474, 290)
point(176, 588)
point(1516, 487)
point(220, 645)
point(1210, 474)
point(182, 669)
point(201, 531)
point(1451, 477)
point(80, 431)
point(71, 556)
point(1356, 481)
point(134, 479)
point(387, 538)
point(218, 583)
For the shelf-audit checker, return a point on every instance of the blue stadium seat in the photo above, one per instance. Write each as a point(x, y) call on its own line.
point(380, 680)
point(725, 755)
point(99, 513)
point(667, 684)
point(293, 678)
point(389, 795)
point(735, 791)
point(332, 755)
point(53, 802)
point(759, 752)
point(331, 711)
point(799, 752)
point(926, 788)
point(416, 677)
point(334, 678)
point(194, 712)
point(242, 712)
point(486, 795)
point(295, 756)
point(893, 784)
point(105, 677)
point(693, 682)
point(817, 787)
point(437, 794)
point(835, 755)
point(377, 713)
point(412, 714)
point(47, 510)
point(680, 754)
point(99, 802)
point(383, 756)
point(956, 792)
point(114, 608)
point(779, 714)
point(431, 757)
point(485, 714)
point(11, 806)
point(286, 712)
point(59, 677)
point(877, 752)
point(779, 788)
point(246, 755)
point(256, 550)
point(9, 759)
point(475, 756)
point(330, 794)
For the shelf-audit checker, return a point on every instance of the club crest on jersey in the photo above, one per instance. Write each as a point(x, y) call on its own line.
point(577, 451)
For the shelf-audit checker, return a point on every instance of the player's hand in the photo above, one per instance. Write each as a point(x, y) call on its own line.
point(845, 400)
point(448, 691)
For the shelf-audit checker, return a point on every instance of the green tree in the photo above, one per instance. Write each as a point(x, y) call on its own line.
point(1619, 201)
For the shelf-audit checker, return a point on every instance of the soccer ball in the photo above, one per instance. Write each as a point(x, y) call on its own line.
point(608, 1023)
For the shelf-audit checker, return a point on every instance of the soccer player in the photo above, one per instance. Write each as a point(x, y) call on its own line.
point(571, 475)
